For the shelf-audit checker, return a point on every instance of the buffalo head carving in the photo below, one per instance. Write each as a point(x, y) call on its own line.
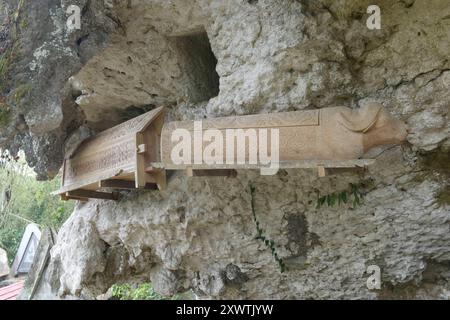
point(376, 124)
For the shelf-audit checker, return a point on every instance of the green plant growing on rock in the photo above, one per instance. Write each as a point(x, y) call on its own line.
point(6, 63)
point(20, 93)
point(5, 114)
point(269, 243)
point(13, 49)
point(443, 198)
point(143, 291)
point(353, 196)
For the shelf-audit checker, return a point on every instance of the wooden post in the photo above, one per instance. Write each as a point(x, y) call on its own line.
point(189, 172)
point(141, 175)
point(322, 172)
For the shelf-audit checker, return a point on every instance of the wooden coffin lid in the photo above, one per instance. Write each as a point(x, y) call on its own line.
point(270, 120)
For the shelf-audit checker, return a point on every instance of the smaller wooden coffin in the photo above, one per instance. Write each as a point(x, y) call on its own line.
point(116, 159)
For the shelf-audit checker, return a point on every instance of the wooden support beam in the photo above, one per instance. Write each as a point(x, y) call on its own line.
point(117, 184)
point(88, 194)
point(140, 174)
point(189, 172)
point(154, 169)
point(337, 171)
point(213, 173)
point(161, 179)
point(292, 164)
point(123, 184)
point(321, 171)
point(67, 198)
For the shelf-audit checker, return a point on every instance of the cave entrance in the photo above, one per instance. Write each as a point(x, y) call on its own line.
point(199, 65)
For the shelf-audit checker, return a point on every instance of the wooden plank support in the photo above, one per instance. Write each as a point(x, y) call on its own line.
point(67, 198)
point(88, 194)
point(140, 174)
point(214, 173)
point(153, 169)
point(189, 172)
point(338, 171)
point(124, 184)
point(161, 179)
point(292, 164)
point(321, 171)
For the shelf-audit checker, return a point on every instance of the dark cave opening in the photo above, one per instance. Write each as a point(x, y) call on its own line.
point(199, 65)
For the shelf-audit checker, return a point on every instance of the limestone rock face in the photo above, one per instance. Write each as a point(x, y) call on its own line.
point(209, 58)
point(39, 54)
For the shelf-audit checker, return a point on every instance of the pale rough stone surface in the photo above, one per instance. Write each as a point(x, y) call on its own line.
point(4, 264)
point(272, 55)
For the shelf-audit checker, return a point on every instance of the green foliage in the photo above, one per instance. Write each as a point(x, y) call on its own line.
point(24, 24)
point(18, 10)
point(6, 63)
point(20, 93)
point(353, 197)
point(5, 114)
point(12, 52)
point(143, 291)
point(10, 240)
point(443, 198)
point(269, 243)
point(24, 200)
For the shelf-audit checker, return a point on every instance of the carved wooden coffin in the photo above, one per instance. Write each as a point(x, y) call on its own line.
point(116, 158)
point(311, 138)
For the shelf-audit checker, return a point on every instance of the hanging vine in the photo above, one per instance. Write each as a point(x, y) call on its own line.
point(269, 243)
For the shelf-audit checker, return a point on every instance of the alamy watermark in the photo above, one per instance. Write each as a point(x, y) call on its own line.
point(374, 280)
point(74, 20)
point(259, 146)
point(73, 12)
point(374, 20)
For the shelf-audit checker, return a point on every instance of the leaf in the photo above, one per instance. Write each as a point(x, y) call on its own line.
point(321, 201)
point(343, 196)
point(332, 200)
point(329, 200)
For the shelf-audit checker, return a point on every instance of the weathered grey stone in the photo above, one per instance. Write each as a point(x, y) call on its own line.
point(44, 54)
